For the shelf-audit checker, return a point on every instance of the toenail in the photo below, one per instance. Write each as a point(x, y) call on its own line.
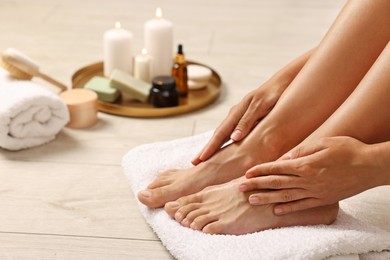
point(185, 222)
point(146, 193)
point(178, 216)
point(173, 204)
point(254, 200)
point(194, 226)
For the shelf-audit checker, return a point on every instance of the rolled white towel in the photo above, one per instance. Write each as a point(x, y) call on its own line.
point(30, 115)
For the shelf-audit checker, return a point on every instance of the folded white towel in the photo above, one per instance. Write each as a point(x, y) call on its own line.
point(30, 115)
point(348, 236)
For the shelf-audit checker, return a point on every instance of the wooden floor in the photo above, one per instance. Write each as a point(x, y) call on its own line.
point(69, 199)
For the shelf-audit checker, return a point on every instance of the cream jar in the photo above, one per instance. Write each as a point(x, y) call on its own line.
point(82, 106)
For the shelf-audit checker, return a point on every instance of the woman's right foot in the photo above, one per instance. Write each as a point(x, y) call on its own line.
point(223, 209)
point(229, 163)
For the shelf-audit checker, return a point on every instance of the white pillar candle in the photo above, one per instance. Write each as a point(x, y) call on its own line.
point(143, 66)
point(117, 50)
point(158, 34)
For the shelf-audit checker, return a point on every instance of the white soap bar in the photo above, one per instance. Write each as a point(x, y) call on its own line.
point(198, 73)
point(196, 84)
point(125, 82)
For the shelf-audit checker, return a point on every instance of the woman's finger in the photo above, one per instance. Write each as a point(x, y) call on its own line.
point(305, 150)
point(257, 109)
point(220, 136)
point(278, 196)
point(212, 146)
point(222, 133)
point(247, 123)
point(286, 167)
point(290, 207)
point(271, 182)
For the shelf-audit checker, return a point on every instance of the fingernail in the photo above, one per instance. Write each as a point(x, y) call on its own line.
point(146, 193)
point(236, 135)
point(242, 187)
point(254, 200)
point(173, 204)
point(278, 211)
point(197, 158)
point(248, 175)
point(195, 161)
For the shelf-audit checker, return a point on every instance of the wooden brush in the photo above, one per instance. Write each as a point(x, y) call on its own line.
point(22, 67)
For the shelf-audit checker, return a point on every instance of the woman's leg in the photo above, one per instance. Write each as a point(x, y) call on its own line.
point(341, 60)
point(223, 209)
point(365, 115)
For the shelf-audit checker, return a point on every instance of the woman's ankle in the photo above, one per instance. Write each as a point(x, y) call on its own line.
point(265, 144)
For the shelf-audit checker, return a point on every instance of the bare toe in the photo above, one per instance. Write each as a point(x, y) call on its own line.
point(171, 208)
point(213, 228)
point(203, 220)
point(182, 212)
point(155, 198)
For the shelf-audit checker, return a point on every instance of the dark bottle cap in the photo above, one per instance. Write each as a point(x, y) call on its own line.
point(180, 49)
point(164, 82)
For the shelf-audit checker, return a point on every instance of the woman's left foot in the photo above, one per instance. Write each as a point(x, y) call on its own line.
point(223, 209)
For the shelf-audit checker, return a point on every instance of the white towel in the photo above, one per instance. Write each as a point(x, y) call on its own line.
point(30, 115)
point(348, 236)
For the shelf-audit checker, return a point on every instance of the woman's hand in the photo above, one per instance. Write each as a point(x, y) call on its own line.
point(254, 106)
point(242, 118)
point(313, 175)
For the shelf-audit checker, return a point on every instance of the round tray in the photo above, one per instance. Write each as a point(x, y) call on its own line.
point(128, 107)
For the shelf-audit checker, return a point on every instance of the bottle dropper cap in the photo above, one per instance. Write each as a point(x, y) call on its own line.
point(180, 49)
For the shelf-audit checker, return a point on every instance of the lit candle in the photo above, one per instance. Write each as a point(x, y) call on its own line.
point(143, 66)
point(158, 34)
point(117, 50)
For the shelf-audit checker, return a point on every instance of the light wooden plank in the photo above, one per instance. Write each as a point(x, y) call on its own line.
point(50, 247)
point(59, 198)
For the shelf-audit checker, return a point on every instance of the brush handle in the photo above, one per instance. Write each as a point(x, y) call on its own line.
point(51, 80)
point(22, 66)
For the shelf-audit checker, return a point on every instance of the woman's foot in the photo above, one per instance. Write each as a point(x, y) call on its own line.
point(223, 209)
point(228, 164)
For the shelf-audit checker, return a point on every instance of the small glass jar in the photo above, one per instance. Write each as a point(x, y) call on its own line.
point(164, 92)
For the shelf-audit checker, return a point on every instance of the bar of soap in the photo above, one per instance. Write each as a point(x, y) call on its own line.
point(128, 84)
point(198, 73)
point(103, 89)
point(196, 84)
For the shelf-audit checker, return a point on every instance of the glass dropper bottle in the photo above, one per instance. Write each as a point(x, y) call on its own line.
point(179, 72)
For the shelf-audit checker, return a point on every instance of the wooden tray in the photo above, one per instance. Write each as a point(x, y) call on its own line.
point(127, 107)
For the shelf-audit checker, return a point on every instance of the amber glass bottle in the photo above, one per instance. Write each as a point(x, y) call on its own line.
point(179, 72)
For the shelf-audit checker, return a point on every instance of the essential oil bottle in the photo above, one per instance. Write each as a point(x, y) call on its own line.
point(179, 72)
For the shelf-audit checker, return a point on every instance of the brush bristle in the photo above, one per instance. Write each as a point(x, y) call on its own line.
point(15, 72)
